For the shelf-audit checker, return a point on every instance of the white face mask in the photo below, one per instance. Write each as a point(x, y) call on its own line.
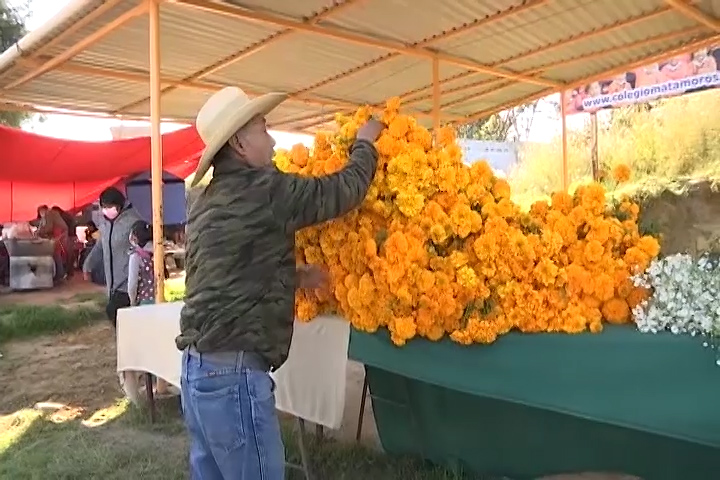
point(110, 213)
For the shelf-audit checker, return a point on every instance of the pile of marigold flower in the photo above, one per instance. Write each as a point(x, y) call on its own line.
point(438, 248)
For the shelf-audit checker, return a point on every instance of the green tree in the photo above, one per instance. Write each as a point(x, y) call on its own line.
point(12, 29)
point(512, 124)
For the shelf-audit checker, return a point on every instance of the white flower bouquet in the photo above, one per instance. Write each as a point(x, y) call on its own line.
point(685, 298)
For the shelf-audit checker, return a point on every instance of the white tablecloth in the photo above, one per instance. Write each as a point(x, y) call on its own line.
point(310, 385)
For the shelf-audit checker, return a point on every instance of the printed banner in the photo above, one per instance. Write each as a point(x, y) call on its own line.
point(676, 76)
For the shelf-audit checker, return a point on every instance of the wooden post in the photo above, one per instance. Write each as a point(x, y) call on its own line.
point(436, 93)
point(156, 150)
point(594, 161)
point(564, 143)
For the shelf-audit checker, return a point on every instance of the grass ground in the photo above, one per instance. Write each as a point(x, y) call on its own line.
point(28, 320)
point(118, 442)
point(62, 415)
point(175, 289)
point(24, 320)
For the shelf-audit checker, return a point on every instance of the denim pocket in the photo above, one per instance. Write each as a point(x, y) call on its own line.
point(261, 386)
point(219, 411)
point(265, 424)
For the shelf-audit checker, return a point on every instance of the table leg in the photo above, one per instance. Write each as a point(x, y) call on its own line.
point(304, 457)
point(304, 465)
point(361, 414)
point(150, 395)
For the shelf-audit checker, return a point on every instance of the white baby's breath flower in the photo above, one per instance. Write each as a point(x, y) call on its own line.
point(685, 296)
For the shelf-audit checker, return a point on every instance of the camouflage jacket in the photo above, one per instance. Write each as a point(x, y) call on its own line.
point(240, 251)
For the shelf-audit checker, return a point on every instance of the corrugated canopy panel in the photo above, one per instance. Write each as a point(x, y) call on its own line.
point(333, 56)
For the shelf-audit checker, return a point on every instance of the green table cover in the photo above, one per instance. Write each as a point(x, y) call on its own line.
point(532, 405)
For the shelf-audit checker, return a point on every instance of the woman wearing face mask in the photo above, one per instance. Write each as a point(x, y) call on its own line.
point(113, 249)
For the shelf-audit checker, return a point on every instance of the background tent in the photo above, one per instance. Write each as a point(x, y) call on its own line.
point(140, 194)
point(38, 170)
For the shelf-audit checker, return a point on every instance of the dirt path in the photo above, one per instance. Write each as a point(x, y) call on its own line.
point(78, 370)
point(77, 287)
point(75, 369)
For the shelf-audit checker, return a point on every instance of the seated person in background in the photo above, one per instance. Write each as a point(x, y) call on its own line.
point(52, 226)
point(92, 235)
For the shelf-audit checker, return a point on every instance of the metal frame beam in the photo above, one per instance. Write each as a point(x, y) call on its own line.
point(703, 42)
point(245, 53)
point(561, 63)
point(425, 42)
point(691, 47)
point(568, 42)
point(695, 14)
point(74, 28)
point(410, 97)
point(142, 77)
point(42, 65)
point(80, 46)
point(366, 41)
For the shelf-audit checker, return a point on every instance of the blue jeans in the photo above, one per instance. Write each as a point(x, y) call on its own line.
point(230, 415)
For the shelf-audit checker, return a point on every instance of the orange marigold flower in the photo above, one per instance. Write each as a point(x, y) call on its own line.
point(621, 173)
point(637, 296)
point(437, 248)
point(616, 311)
point(501, 189)
point(649, 245)
point(593, 251)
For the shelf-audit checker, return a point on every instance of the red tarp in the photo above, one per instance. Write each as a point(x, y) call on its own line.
point(37, 170)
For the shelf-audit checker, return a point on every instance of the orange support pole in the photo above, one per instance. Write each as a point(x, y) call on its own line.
point(156, 150)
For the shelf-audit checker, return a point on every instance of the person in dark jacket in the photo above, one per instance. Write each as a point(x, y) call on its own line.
point(112, 251)
point(237, 321)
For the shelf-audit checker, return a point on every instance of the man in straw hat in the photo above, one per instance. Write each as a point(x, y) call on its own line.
point(237, 320)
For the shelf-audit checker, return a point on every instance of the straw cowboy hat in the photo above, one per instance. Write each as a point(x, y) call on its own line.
point(226, 112)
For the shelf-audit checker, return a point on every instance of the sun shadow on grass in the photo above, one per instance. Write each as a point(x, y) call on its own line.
point(119, 442)
point(111, 443)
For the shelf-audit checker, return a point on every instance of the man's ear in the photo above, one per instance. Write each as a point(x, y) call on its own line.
point(237, 144)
